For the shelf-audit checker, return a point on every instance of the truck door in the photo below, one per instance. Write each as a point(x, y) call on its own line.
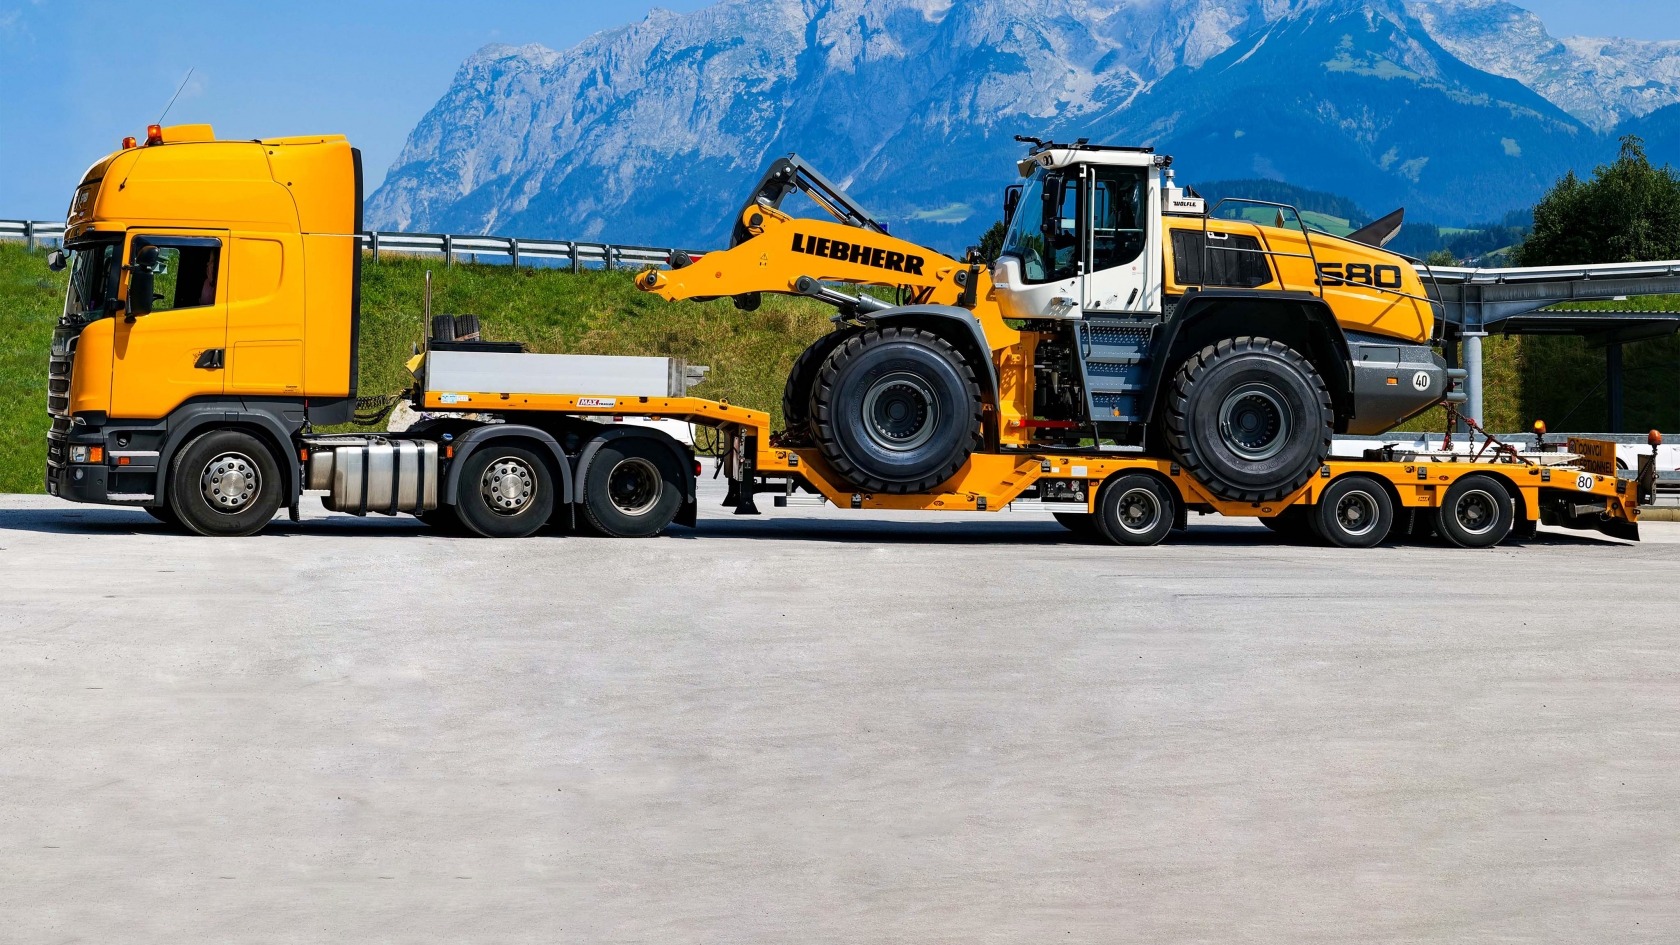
point(1122, 248)
point(176, 351)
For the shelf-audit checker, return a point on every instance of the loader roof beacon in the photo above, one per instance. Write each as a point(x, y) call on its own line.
point(1131, 358)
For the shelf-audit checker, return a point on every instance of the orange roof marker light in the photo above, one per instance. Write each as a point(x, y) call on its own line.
point(154, 135)
point(129, 142)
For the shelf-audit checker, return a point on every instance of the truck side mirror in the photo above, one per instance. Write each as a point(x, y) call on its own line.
point(1011, 200)
point(55, 260)
point(141, 281)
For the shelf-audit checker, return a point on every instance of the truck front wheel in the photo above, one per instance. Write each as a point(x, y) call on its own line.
point(225, 483)
point(1250, 418)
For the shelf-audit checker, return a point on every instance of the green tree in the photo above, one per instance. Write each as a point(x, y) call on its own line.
point(1628, 212)
point(991, 242)
point(1441, 257)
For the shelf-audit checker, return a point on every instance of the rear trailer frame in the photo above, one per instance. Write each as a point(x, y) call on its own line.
point(1072, 481)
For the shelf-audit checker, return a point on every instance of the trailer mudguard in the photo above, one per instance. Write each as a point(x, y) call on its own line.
point(478, 436)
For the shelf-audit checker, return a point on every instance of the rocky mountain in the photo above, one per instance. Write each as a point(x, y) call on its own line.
point(653, 132)
point(1603, 82)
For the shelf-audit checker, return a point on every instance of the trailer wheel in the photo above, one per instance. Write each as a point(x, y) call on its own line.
point(1477, 512)
point(504, 492)
point(1250, 418)
point(225, 483)
point(1135, 509)
point(1354, 512)
point(633, 488)
point(896, 410)
point(1083, 525)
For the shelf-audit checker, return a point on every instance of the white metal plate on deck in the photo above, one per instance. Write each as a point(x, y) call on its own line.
point(499, 372)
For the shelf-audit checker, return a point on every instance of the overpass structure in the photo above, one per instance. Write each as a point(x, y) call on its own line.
point(1474, 303)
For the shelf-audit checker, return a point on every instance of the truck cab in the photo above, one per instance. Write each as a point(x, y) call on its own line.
point(212, 284)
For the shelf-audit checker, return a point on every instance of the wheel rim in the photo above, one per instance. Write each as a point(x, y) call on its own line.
point(1253, 422)
point(1356, 514)
point(634, 486)
point(1477, 512)
point(1138, 510)
point(508, 486)
point(900, 411)
point(231, 482)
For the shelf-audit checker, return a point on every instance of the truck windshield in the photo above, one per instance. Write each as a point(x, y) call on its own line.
point(93, 278)
point(1030, 233)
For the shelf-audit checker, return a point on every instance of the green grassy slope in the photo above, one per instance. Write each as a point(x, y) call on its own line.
point(750, 353)
point(550, 310)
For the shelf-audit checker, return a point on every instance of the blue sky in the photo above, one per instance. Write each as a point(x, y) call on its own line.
point(80, 74)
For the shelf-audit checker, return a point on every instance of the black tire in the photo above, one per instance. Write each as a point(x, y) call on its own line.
point(1083, 525)
point(1250, 418)
point(1135, 509)
point(1354, 512)
point(633, 488)
point(165, 514)
point(796, 394)
point(443, 328)
point(896, 410)
point(1476, 512)
point(1293, 524)
point(505, 491)
point(466, 328)
point(225, 483)
point(443, 520)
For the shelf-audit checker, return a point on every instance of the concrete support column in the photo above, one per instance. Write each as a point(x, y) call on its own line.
point(1473, 381)
point(1613, 384)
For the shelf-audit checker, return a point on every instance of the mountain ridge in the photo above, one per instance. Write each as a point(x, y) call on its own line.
point(650, 132)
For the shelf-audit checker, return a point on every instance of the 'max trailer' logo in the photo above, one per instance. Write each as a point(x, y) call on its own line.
point(874, 256)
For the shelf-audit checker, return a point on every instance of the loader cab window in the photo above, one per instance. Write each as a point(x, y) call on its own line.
point(187, 273)
point(1044, 234)
point(1119, 205)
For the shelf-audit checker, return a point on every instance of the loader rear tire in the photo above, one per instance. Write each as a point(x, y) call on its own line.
point(1250, 418)
point(896, 410)
point(796, 395)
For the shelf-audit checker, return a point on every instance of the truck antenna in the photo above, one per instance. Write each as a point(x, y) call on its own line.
point(178, 90)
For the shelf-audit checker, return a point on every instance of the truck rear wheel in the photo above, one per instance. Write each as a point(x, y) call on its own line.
point(1354, 512)
point(632, 489)
point(896, 410)
point(504, 492)
point(1250, 418)
point(225, 483)
point(1476, 512)
point(1135, 509)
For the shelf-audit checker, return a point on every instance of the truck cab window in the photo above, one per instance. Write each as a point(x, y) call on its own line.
point(93, 266)
point(186, 276)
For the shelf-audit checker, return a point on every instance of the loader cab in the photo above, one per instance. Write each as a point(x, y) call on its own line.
point(1084, 234)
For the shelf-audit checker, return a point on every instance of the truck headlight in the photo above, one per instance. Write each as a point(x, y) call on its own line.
point(87, 454)
point(78, 454)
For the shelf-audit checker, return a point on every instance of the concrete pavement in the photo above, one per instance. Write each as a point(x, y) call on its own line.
point(816, 727)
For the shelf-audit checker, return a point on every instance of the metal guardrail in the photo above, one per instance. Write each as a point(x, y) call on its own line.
point(577, 254)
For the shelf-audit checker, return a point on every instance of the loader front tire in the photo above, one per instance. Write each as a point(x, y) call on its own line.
point(1250, 418)
point(896, 410)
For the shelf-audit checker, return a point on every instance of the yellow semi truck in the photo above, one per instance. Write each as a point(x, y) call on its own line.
point(1130, 359)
